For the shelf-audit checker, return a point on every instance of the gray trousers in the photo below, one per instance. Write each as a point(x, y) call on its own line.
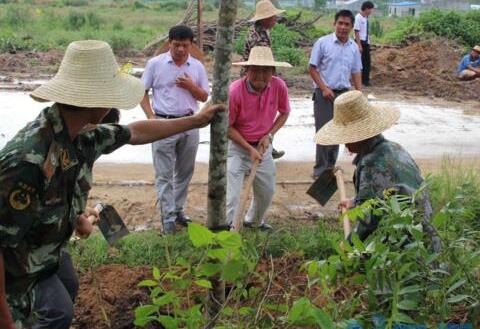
point(55, 296)
point(174, 162)
point(326, 156)
point(238, 166)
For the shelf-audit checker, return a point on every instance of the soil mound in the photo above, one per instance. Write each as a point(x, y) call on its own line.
point(427, 68)
point(108, 297)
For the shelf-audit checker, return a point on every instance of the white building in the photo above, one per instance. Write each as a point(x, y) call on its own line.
point(404, 8)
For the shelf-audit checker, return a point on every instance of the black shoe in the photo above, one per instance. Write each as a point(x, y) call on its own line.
point(277, 154)
point(182, 219)
point(366, 84)
point(263, 226)
point(169, 228)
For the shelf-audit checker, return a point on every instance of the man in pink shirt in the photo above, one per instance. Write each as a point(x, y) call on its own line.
point(259, 107)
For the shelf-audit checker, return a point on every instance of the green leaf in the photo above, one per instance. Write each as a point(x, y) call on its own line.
point(200, 235)
point(298, 311)
point(229, 240)
point(219, 254)
point(245, 310)
point(228, 311)
point(168, 298)
point(359, 278)
point(145, 311)
point(410, 289)
point(358, 243)
point(322, 319)
point(457, 299)
point(407, 305)
point(156, 273)
point(209, 269)
point(168, 322)
point(456, 285)
point(403, 318)
point(204, 283)
point(148, 283)
point(233, 270)
point(142, 322)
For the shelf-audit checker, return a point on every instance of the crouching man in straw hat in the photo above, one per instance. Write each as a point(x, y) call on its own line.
point(46, 174)
point(380, 164)
point(259, 107)
point(469, 67)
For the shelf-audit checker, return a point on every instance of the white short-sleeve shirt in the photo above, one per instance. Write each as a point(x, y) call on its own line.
point(361, 26)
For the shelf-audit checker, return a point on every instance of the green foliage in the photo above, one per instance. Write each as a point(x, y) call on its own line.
point(75, 20)
point(120, 42)
point(375, 28)
point(395, 271)
point(75, 3)
point(224, 256)
point(16, 16)
point(461, 26)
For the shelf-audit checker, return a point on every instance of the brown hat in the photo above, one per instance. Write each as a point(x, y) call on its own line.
point(355, 119)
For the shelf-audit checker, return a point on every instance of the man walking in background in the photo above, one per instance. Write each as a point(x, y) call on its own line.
point(362, 37)
point(259, 35)
point(335, 60)
point(178, 82)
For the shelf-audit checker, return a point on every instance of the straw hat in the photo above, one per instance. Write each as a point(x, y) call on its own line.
point(265, 9)
point(262, 56)
point(354, 120)
point(89, 77)
point(477, 49)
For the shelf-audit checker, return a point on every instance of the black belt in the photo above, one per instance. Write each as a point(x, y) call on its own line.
point(164, 116)
point(254, 144)
point(339, 91)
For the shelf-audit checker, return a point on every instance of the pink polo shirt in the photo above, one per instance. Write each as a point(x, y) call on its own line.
point(253, 114)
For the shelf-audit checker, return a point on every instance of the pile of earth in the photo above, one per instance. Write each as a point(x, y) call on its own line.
point(426, 68)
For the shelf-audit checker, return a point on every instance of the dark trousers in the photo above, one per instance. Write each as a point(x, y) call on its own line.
point(326, 156)
point(366, 63)
point(55, 297)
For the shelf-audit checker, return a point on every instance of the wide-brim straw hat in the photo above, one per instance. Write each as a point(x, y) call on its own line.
point(262, 56)
point(355, 119)
point(477, 49)
point(89, 77)
point(265, 9)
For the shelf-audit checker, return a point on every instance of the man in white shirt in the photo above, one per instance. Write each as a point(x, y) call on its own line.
point(362, 37)
point(178, 81)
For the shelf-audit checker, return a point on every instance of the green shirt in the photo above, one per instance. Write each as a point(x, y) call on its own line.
point(45, 179)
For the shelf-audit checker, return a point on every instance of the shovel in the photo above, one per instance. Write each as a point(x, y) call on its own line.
point(325, 186)
point(110, 223)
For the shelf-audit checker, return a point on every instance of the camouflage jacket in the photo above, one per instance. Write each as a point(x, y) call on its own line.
point(382, 165)
point(45, 179)
point(257, 36)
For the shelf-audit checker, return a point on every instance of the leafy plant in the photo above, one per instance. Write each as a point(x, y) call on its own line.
point(176, 292)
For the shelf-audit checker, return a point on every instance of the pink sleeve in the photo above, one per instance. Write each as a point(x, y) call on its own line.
point(232, 108)
point(283, 102)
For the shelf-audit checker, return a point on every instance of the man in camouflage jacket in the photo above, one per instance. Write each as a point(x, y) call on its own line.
point(381, 165)
point(46, 175)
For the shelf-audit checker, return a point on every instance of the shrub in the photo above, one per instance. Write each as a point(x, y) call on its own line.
point(93, 20)
point(294, 56)
point(75, 3)
point(119, 42)
point(117, 26)
point(16, 16)
point(75, 20)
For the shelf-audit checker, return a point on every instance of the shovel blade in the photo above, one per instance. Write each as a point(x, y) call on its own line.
point(111, 224)
point(324, 186)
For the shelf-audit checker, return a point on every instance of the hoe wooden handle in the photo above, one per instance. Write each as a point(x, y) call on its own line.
point(343, 196)
point(238, 222)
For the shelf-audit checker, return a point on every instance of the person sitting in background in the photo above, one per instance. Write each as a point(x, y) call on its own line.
point(469, 67)
point(381, 165)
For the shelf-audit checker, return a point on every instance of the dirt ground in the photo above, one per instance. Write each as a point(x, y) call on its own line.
point(130, 189)
point(424, 68)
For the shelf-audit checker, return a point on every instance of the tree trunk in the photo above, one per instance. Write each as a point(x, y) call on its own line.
point(217, 173)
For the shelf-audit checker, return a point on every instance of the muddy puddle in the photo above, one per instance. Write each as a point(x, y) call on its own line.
point(424, 130)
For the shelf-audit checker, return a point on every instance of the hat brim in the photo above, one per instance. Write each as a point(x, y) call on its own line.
point(123, 92)
point(380, 118)
point(261, 63)
point(257, 18)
